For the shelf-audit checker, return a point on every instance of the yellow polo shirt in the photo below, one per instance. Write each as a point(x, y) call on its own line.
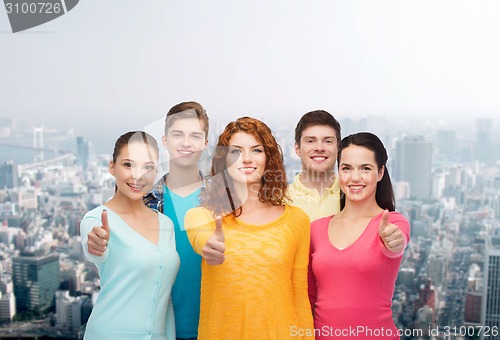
point(310, 200)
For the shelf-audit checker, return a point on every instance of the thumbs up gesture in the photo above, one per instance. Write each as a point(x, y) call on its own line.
point(99, 236)
point(213, 251)
point(390, 234)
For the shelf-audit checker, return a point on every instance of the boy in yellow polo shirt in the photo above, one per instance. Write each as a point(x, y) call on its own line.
point(316, 189)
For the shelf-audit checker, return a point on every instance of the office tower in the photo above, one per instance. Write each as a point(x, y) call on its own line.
point(412, 164)
point(436, 267)
point(72, 273)
point(36, 279)
point(484, 140)
point(472, 309)
point(68, 311)
point(8, 175)
point(82, 152)
point(7, 299)
point(447, 145)
point(490, 309)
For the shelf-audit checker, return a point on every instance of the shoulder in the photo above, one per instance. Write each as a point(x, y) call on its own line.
point(94, 213)
point(198, 216)
point(295, 183)
point(320, 224)
point(91, 219)
point(397, 219)
point(401, 221)
point(297, 213)
point(164, 219)
point(321, 221)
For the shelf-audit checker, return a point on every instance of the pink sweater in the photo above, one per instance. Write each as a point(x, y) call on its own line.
point(351, 289)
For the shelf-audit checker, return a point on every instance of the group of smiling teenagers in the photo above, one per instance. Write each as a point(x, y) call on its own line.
point(239, 253)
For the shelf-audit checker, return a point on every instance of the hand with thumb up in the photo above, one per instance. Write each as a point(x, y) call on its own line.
point(213, 251)
point(390, 234)
point(99, 236)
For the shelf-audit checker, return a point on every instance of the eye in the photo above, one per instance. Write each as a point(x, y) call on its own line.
point(258, 150)
point(235, 151)
point(127, 164)
point(197, 137)
point(345, 168)
point(309, 141)
point(177, 135)
point(150, 167)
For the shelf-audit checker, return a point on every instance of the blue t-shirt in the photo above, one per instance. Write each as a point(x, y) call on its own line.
point(186, 289)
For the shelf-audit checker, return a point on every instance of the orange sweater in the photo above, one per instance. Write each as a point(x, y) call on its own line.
point(260, 291)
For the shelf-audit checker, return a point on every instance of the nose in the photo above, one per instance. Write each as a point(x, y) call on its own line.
point(318, 146)
point(246, 157)
point(355, 175)
point(185, 141)
point(137, 173)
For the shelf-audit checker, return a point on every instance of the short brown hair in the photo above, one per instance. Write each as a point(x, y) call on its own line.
point(317, 117)
point(184, 110)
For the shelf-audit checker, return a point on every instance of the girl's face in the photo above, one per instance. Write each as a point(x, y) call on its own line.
point(246, 160)
point(135, 170)
point(358, 173)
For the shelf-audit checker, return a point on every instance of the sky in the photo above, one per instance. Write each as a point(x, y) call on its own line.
point(109, 66)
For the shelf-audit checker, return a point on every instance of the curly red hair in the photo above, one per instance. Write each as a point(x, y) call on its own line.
point(219, 188)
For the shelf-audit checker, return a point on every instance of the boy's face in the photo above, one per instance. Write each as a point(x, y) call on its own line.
point(185, 141)
point(317, 149)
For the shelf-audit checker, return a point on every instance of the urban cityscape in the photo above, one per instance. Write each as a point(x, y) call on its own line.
point(446, 181)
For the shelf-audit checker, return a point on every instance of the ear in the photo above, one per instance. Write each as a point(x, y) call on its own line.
point(297, 149)
point(164, 140)
point(381, 173)
point(111, 168)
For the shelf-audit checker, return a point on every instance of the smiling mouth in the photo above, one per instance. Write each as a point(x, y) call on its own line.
point(247, 170)
point(136, 187)
point(356, 187)
point(185, 153)
point(319, 158)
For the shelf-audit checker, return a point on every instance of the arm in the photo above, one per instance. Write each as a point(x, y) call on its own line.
point(311, 282)
point(170, 324)
point(300, 275)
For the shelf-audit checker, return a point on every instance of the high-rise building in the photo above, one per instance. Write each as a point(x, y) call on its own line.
point(68, 311)
point(82, 152)
point(36, 279)
point(7, 300)
point(472, 308)
point(436, 267)
point(8, 175)
point(412, 164)
point(490, 310)
point(484, 139)
point(447, 144)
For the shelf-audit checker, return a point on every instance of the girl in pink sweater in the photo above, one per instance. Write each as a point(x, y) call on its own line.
point(355, 255)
